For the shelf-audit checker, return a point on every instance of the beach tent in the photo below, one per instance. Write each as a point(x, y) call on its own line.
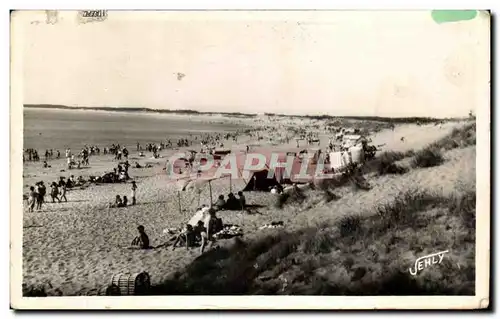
point(259, 181)
point(352, 137)
point(336, 161)
point(199, 215)
point(219, 153)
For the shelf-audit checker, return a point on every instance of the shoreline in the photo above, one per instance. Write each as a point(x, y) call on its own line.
point(239, 115)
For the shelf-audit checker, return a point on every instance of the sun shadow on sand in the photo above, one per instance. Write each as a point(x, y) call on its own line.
point(149, 203)
point(254, 206)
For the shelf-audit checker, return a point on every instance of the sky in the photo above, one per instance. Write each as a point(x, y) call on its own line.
point(399, 63)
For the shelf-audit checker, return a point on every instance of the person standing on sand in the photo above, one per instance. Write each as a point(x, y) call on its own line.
point(41, 195)
point(32, 199)
point(134, 188)
point(54, 192)
point(62, 185)
point(211, 227)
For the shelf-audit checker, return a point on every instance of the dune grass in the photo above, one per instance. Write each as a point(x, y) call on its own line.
point(354, 256)
point(428, 157)
point(385, 162)
point(458, 138)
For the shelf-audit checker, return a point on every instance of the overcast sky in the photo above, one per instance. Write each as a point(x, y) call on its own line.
point(338, 63)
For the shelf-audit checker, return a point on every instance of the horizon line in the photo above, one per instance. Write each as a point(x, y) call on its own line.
point(234, 114)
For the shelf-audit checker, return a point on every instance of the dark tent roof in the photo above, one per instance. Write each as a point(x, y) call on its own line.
point(259, 181)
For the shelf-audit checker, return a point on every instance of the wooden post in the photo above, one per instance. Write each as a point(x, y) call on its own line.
point(230, 184)
point(179, 199)
point(199, 195)
point(210, 188)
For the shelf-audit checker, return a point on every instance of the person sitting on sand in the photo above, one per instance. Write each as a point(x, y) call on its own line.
point(232, 202)
point(220, 203)
point(80, 180)
point(118, 202)
point(125, 202)
point(45, 165)
point(242, 200)
point(137, 165)
point(121, 176)
point(54, 192)
point(141, 241)
point(188, 235)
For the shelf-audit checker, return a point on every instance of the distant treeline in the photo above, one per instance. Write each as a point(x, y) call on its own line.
point(134, 109)
point(395, 120)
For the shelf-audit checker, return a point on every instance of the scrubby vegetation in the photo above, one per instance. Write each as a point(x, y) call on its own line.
point(354, 256)
point(458, 138)
point(428, 157)
point(289, 198)
point(385, 163)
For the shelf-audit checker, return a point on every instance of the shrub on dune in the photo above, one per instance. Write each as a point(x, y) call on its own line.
point(459, 137)
point(385, 163)
point(389, 167)
point(402, 210)
point(428, 157)
point(464, 206)
point(349, 225)
point(295, 196)
point(329, 196)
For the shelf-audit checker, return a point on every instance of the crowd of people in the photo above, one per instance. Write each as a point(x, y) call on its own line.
point(31, 154)
point(232, 203)
point(58, 190)
point(202, 233)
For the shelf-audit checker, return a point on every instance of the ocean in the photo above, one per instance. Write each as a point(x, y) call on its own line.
point(60, 129)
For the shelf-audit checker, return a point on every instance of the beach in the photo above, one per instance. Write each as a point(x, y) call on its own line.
point(76, 246)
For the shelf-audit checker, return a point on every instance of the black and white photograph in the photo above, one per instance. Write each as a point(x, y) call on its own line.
point(187, 159)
